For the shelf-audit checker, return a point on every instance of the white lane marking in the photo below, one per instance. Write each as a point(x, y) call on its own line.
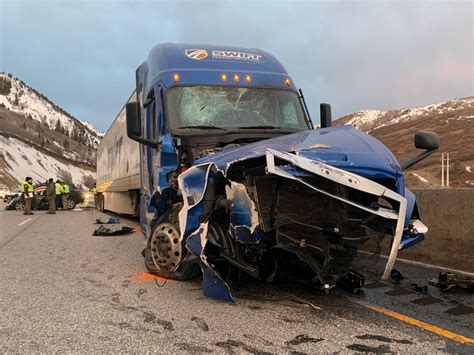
point(24, 222)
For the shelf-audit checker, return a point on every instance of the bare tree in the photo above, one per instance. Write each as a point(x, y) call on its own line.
point(88, 180)
point(65, 176)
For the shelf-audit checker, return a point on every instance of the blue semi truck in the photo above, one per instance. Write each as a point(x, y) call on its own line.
point(229, 173)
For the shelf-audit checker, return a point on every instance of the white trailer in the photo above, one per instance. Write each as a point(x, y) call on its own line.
point(118, 169)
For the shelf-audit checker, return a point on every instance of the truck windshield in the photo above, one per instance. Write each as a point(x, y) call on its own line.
point(233, 108)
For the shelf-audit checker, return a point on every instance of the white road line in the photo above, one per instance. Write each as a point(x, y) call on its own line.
point(24, 222)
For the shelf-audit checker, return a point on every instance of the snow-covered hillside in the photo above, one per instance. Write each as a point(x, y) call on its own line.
point(452, 120)
point(23, 160)
point(19, 97)
point(39, 139)
point(367, 120)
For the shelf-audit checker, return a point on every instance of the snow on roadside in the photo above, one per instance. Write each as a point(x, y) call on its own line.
point(25, 160)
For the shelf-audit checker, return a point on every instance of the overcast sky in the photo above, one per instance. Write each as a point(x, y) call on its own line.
point(352, 54)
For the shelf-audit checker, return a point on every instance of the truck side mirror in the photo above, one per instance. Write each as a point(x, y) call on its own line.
point(326, 115)
point(423, 140)
point(426, 140)
point(134, 123)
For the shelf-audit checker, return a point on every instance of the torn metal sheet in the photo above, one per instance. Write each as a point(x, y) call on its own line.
point(243, 214)
point(213, 285)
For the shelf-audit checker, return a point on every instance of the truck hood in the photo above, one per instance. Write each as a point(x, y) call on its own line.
point(343, 146)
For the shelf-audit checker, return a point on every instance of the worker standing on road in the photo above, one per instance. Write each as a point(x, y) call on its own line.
point(51, 196)
point(28, 192)
point(65, 195)
point(59, 191)
point(96, 197)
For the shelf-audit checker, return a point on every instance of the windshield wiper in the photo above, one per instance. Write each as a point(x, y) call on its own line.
point(203, 127)
point(259, 127)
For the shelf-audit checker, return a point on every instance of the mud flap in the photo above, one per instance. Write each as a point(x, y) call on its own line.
point(212, 284)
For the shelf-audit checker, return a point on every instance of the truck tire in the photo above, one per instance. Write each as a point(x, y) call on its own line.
point(164, 251)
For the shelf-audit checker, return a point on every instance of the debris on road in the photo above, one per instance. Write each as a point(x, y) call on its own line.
point(352, 282)
point(104, 231)
point(110, 220)
point(396, 276)
point(416, 288)
point(456, 282)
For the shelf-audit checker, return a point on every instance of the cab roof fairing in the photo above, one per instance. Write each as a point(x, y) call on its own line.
point(167, 58)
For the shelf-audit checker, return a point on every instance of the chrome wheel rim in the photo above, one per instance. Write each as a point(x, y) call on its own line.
point(165, 247)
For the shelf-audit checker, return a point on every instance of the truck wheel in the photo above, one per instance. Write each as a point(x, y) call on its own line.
point(167, 257)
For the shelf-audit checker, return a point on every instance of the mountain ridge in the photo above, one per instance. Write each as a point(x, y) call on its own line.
point(40, 139)
point(452, 120)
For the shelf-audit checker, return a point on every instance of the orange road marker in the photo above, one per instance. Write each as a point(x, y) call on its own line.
point(417, 323)
point(137, 231)
point(144, 277)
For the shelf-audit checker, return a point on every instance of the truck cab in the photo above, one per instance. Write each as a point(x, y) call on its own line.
point(232, 169)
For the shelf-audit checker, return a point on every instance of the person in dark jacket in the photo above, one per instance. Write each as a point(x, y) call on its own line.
point(51, 196)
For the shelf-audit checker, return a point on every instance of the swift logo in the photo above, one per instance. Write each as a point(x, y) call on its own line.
point(197, 54)
point(230, 55)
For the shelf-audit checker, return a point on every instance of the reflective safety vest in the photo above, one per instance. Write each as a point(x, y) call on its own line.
point(66, 189)
point(26, 187)
point(59, 188)
point(94, 190)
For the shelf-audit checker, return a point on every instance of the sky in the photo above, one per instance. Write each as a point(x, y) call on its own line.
point(352, 54)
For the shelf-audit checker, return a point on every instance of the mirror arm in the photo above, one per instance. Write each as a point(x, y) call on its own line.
point(417, 158)
point(144, 141)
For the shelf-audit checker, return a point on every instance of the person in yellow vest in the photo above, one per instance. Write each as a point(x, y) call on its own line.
point(59, 192)
point(96, 197)
point(28, 191)
point(65, 195)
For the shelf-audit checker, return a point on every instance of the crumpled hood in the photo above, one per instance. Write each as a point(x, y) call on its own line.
point(343, 146)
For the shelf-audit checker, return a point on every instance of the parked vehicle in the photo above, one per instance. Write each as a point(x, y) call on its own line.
point(10, 195)
point(226, 167)
point(4, 190)
point(76, 196)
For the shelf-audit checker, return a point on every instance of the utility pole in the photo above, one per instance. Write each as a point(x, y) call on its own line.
point(447, 169)
point(445, 162)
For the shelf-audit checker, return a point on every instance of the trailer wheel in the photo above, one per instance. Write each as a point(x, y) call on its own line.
point(165, 255)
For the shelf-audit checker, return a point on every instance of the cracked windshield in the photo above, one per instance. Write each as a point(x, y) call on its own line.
point(231, 108)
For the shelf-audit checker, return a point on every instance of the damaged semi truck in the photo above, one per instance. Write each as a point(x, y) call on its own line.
point(233, 175)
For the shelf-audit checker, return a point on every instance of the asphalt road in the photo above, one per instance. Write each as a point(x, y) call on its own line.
point(62, 289)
